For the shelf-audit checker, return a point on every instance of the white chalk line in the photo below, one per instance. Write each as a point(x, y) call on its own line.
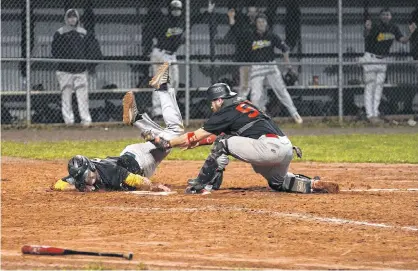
point(150, 193)
point(298, 216)
point(382, 190)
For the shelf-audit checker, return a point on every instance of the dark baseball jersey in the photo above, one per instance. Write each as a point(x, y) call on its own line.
point(262, 46)
point(230, 119)
point(381, 38)
point(241, 31)
point(169, 33)
point(111, 175)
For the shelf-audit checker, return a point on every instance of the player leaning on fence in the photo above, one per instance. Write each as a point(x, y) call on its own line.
point(74, 42)
point(379, 37)
point(262, 43)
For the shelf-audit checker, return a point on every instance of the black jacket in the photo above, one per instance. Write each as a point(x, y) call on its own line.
point(74, 43)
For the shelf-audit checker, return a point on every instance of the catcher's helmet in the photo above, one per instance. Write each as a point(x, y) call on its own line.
point(78, 168)
point(220, 90)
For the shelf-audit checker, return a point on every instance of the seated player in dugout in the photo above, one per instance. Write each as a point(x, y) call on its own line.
point(249, 135)
point(137, 162)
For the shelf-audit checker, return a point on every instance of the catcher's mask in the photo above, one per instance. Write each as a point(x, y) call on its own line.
point(219, 90)
point(79, 167)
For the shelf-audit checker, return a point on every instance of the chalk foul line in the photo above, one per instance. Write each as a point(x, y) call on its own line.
point(297, 216)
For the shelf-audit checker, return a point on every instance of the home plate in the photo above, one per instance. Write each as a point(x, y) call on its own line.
point(150, 193)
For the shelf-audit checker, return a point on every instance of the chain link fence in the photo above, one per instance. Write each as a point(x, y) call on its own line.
point(72, 61)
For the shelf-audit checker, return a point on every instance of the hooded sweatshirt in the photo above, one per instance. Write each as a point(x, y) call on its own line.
point(73, 42)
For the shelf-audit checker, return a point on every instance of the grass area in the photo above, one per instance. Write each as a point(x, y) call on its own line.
point(388, 148)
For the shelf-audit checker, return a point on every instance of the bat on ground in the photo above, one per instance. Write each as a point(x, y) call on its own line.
point(47, 250)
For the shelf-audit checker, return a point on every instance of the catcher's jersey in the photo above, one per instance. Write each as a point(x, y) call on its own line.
point(230, 119)
point(381, 38)
point(262, 46)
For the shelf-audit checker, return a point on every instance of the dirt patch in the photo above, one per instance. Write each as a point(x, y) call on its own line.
point(244, 225)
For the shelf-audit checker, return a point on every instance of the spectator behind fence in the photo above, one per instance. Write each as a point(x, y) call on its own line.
point(262, 44)
point(169, 32)
point(74, 42)
point(379, 38)
point(241, 28)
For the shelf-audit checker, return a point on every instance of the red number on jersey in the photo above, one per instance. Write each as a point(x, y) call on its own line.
point(247, 109)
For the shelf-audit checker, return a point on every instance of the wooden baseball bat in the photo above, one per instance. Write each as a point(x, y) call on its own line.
point(47, 250)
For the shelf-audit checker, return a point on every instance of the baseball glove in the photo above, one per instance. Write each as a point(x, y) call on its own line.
point(290, 77)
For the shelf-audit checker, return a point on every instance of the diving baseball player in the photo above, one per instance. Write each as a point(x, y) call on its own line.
point(379, 38)
point(250, 136)
point(263, 42)
point(137, 162)
point(112, 173)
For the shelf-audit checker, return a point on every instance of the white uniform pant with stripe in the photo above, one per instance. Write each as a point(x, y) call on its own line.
point(147, 156)
point(259, 93)
point(68, 83)
point(159, 55)
point(374, 78)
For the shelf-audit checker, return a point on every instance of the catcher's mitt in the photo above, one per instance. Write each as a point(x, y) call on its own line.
point(290, 77)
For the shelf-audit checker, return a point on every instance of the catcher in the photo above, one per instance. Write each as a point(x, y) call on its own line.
point(137, 162)
point(250, 136)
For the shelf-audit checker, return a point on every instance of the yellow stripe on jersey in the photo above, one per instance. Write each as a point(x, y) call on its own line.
point(138, 181)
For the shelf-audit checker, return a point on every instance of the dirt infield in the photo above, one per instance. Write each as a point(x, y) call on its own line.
point(244, 225)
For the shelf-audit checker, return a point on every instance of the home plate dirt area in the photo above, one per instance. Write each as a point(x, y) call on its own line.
point(371, 224)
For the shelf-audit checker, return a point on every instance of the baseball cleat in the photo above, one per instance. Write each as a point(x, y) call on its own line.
point(130, 111)
point(161, 77)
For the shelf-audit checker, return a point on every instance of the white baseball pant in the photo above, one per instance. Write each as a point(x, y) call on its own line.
point(244, 88)
point(259, 93)
point(68, 83)
point(146, 154)
point(158, 55)
point(374, 78)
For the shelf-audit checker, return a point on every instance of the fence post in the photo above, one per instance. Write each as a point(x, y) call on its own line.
point(28, 60)
point(187, 96)
point(340, 61)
